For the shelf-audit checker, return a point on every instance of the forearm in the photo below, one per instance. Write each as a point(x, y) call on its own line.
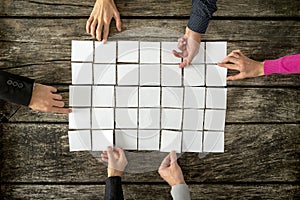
point(16, 89)
point(180, 192)
point(202, 11)
point(113, 188)
point(285, 65)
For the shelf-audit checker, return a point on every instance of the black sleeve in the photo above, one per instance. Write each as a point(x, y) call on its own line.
point(113, 188)
point(16, 89)
point(202, 11)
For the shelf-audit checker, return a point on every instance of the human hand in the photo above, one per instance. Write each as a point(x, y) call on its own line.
point(247, 67)
point(116, 159)
point(100, 18)
point(189, 46)
point(43, 99)
point(170, 171)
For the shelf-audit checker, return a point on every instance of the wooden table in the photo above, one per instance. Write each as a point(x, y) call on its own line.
point(261, 159)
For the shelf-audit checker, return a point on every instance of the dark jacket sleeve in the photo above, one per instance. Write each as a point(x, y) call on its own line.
point(202, 11)
point(113, 188)
point(16, 89)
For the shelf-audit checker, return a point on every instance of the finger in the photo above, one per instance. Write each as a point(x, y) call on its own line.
point(177, 54)
point(184, 64)
point(93, 27)
point(52, 89)
point(120, 152)
point(99, 30)
point(173, 157)
point(231, 60)
point(59, 110)
point(56, 96)
point(166, 162)
point(88, 24)
point(59, 104)
point(118, 21)
point(238, 52)
point(106, 31)
point(110, 154)
point(235, 77)
point(104, 160)
point(234, 54)
point(229, 66)
point(181, 44)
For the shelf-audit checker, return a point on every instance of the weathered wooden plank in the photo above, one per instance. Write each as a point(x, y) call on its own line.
point(244, 105)
point(253, 153)
point(46, 47)
point(133, 191)
point(177, 8)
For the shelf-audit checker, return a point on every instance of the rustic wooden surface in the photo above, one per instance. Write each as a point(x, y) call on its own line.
point(262, 144)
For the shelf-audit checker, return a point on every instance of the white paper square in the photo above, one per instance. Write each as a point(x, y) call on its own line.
point(216, 98)
point(80, 140)
point(149, 52)
point(127, 96)
point(82, 73)
point(194, 97)
point(128, 51)
point(103, 96)
point(148, 140)
point(172, 97)
point(126, 139)
point(193, 119)
point(149, 97)
point(213, 141)
point(150, 74)
point(215, 75)
point(128, 74)
point(215, 51)
point(192, 141)
point(82, 51)
point(199, 58)
point(105, 74)
point(126, 117)
point(171, 75)
point(105, 53)
point(215, 120)
point(101, 139)
point(171, 118)
point(167, 53)
point(103, 118)
point(171, 141)
point(194, 75)
point(149, 118)
point(80, 96)
point(80, 118)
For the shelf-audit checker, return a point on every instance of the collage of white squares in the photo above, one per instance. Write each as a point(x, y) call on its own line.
point(132, 94)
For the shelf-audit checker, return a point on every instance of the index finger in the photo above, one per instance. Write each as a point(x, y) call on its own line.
point(60, 110)
point(166, 162)
point(173, 157)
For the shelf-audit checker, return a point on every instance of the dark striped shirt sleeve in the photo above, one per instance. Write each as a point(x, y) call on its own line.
point(202, 11)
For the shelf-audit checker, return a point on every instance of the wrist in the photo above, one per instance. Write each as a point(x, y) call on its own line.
point(113, 172)
point(193, 35)
point(260, 68)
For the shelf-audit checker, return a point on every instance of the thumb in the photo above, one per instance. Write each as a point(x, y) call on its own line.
point(235, 77)
point(110, 155)
point(173, 157)
point(165, 163)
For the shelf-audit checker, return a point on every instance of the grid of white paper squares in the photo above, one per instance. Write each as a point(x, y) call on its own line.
point(133, 94)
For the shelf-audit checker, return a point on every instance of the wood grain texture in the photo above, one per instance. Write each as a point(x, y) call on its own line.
point(46, 46)
point(162, 192)
point(253, 153)
point(162, 8)
point(244, 105)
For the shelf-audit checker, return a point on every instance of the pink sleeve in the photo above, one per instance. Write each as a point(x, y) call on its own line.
point(285, 65)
